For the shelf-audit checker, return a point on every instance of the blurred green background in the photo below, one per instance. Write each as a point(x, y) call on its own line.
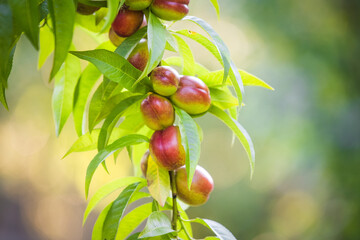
point(306, 132)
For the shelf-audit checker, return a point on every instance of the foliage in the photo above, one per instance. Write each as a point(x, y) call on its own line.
point(113, 121)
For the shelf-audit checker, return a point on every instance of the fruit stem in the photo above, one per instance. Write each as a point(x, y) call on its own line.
point(174, 196)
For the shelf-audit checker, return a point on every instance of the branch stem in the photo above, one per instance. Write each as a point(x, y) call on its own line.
point(175, 212)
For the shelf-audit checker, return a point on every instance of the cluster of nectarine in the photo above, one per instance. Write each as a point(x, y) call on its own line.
point(192, 95)
point(169, 88)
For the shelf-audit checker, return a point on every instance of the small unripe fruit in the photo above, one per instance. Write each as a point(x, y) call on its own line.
point(140, 55)
point(165, 80)
point(114, 38)
point(157, 111)
point(144, 162)
point(170, 9)
point(86, 9)
point(127, 22)
point(138, 4)
point(166, 149)
point(201, 186)
point(192, 95)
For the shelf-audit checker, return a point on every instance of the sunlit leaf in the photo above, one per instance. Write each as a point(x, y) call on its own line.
point(99, 100)
point(188, 66)
point(97, 229)
point(157, 224)
point(26, 14)
point(213, 79)
point(158, 182)
point(112, 119)
point(216, 6)
point(46, 45)
point(221, 232)
point(117, 209)
point(229, 66)
point(63, 17)
point(239, 131)
point(177, 61)
point(115, 68)
point(64, 88)
point(107, 151)
point(223, 98)
point(106, 190)
point(204, 41)
point(190, 139)
point(87, 80)
point(132, 220)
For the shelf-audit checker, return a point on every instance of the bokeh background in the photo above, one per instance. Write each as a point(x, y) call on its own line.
point(306, 132)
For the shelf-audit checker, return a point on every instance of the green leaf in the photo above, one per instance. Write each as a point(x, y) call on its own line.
point(158, 182)
point(204, 41)
point(112, 119)
point(157, 33)
point(88, 141)
point(63, 17)
point(26, 14)
point(221, 232)
point(117, 209)
point(132, 220)
point(222, 48)
point(86, 82)
point(251, 80)
point(177, 61)
point(106, 190)
point(158, 224)
point(228, 64)
point(239, 131)
point(130, 43)
point(216, 6)
point(46, 45)
point(188, 65)
point(99, 100)
point(97, 229)
point(2, 96)
point(214, 79)
point(190, 139)
point(223, 98)
point(113, 9)
point(115, 68)
point(107, 151)
point(64, 88)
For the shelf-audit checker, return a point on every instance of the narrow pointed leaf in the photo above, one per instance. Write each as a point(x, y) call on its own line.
point(26, 13)
point(46, 45)
point(216, 6)
point(64, 88)
point(239, 131)
point(190, 139)
point(200, 70)
point(117, 209)
point(223, 98)
point(113, 8)
point(158, 224)
point(158, 182)
point(221, 232)
point(112, 119)
point(188, 66)
point(97, 229)
point(63, 17)
point(130, 43)
point(106, 190)
point(86, 82)
point(157, 34)
point(115, 68)
point(103, 154)
point(132, 220)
